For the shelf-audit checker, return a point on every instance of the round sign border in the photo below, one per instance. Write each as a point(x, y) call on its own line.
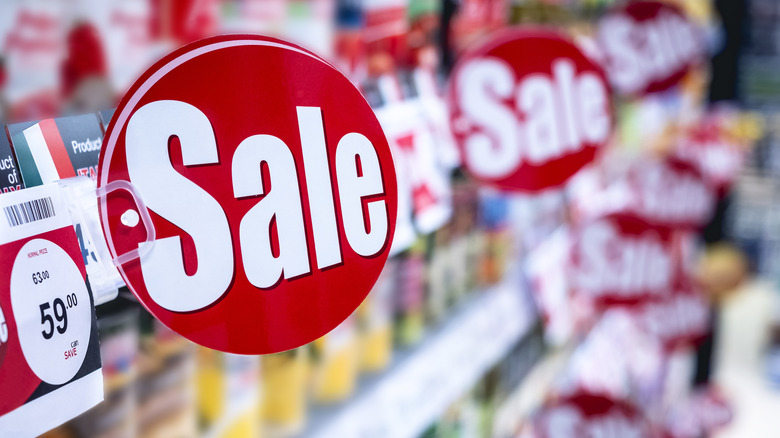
point(654, 88)
point(505, 36)
point(128, 104)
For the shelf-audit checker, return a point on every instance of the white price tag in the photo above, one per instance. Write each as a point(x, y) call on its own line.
point(49, 352)
point(46, 281)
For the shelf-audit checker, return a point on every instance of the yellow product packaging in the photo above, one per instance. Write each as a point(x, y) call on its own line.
point(335, 364)
point(228, 394)
point(284, 377)
point(375, 322)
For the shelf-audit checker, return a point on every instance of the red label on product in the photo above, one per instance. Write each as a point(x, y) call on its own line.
point(648, 47)
point(528, 110)
point(622, 259)
point(589, 415)
point(270, 185)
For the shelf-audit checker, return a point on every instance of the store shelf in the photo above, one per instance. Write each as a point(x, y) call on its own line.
point(531, 393)
point(423, 382)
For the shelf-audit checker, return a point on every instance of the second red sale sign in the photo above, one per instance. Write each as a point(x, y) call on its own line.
point(649, 46)
point(528, 110)
point(270, 186)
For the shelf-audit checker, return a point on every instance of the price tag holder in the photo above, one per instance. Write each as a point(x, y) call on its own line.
point(50, 367)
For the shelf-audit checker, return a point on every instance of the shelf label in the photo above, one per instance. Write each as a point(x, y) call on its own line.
point(271, 187)
point(49, 353)
point(528, 110)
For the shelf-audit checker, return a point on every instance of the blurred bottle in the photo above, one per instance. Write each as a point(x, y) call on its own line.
point(451, 255)
point(440, 273)
point(116, 416)
point(228, 394)
point(497, 237)
point(409, 294)
point(85, 85)
point(166, 384)
point(375, 322)
point(335, 364)
point(284, 380)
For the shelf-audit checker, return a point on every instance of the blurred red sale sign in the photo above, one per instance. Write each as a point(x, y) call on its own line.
point(621, 259)
point(679, 320)
point(648, 46)
point(671, 192)
point(583, 415)
point(270, 187)
point(528, 110)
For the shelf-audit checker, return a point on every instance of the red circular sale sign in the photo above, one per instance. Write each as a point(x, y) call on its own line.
point(648, 47)
point(621, 259)
point(528, 110)
point(270, 190)
point(671, 193)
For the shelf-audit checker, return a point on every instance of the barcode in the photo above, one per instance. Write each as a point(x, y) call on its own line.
point(30, 211)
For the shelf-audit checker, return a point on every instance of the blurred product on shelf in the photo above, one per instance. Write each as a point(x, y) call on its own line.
point(284, 401)
point(229, 394)
point(116, 416)
point(335, 363)
point(409, 295)
point(167, 405)
point(375, 322)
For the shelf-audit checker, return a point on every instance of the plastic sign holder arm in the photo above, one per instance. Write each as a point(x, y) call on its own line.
point(148, 244)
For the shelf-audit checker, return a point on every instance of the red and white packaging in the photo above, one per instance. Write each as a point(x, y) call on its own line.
point(414, 150)
point(384, 19)
point(648, 46)
point(270, 190)
point(434, 110)
point(621, 259)
point(184, 21)
point(32, 35)
point(125, 31)
point(528, 110)
point(584, 415)
point(477, 18)
point(50, 367)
